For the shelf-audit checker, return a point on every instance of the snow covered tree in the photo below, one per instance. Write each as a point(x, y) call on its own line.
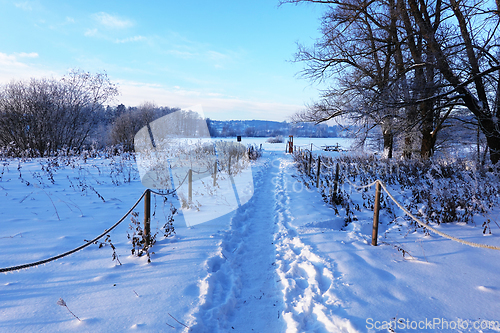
point(467, 58)
point(356, 50)
point(41, 116)
point(404, 66)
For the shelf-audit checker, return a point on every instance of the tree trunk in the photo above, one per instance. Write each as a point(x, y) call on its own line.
point(477, 103)
point(408, 146)
point(427, 147)
point(492, 133)
point(388, 143)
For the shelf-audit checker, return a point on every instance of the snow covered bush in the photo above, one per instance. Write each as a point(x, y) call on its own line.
point(253, 152)
point(276, 139)
point(40, 116)
point(332, 193)
point(438, 190)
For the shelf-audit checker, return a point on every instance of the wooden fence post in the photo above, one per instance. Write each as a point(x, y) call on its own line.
point(229, 165)
point(376, 210)
point(318, 172)
point(147, 217)
point(336, 185)
point(190, 185)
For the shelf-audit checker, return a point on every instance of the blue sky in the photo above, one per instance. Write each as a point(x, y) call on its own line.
point(230, 56)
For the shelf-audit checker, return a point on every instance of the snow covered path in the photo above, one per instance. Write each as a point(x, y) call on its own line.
point(307, 278)
point(265, 279)
point(329, 277)
point(242, 291)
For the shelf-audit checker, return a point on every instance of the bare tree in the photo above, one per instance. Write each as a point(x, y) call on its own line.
point(41, 116)
point(469, 59)
point(130, 122)
point(384, 73)
point(180, 123)
point(357, 51)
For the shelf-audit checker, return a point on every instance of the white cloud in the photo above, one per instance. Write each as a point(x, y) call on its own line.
point(217, 56)
point(215, 105)
point(182, 54)
point(27, 55)
point(11, 60)
point(24, 5)
point(59, 25)
point(91, 32)
point(200, 52)
point(16, 66)
point(112, 21)
point(8, 60)
point(130, 39)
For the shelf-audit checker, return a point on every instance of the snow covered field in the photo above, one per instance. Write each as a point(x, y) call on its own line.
point(282, 262)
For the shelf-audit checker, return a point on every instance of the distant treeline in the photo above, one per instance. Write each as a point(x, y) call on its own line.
point(121, 123)
point(264, 128)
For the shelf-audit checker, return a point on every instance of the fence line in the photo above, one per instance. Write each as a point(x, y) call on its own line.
point(384, 187)
point(145, 195)
point(146, 230)
point(62, 255)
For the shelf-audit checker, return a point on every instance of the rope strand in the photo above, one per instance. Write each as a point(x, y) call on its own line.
point(425, 225)
point(62, 255)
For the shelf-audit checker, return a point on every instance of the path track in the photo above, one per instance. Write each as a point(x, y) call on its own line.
point(265, 279)
point(310, 301)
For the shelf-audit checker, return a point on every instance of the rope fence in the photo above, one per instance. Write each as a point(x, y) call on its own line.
point(484, 246)
point(62, 255)
point(380, 183)
point(146, 195)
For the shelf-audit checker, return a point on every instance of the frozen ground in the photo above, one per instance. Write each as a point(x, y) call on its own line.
point(282, 262)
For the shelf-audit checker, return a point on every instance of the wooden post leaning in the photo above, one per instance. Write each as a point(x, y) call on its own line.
point(318, 172)
point(376, 210)
point(147, 217)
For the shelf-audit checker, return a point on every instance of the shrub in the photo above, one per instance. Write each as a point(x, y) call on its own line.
point(424, 185)
point(41, 116)
point(276, 139)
